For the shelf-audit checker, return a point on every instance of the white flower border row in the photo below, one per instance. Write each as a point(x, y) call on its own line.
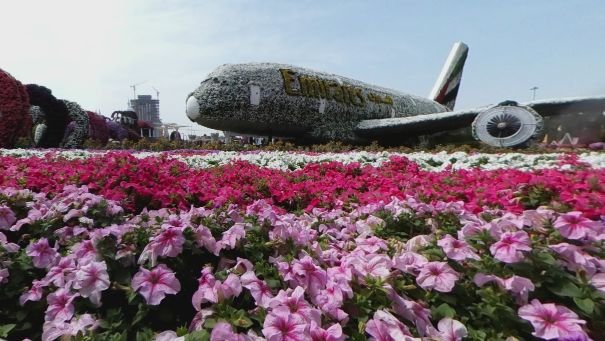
point(292, 160)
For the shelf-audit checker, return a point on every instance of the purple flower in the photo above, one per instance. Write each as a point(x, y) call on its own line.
point(519, 286)
point(85, 252)
point(7, 217)
point(282, 326)
point(9, 247)
point(437, 275)
point(43, 256)
point(155, 284)
point(60, 306)
point(456, 249)
point(451, 330)
point(386, 327)
point(411, 311)
point(91, 280)
point(573, 225)
point(373, 265)
point(508, 248)
point(551, 321)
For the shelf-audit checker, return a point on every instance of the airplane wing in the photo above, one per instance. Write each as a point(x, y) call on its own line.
point(568, 105)
point(444, 121)
point(417, 125)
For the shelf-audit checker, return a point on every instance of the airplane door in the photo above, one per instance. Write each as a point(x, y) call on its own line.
point(254, 94)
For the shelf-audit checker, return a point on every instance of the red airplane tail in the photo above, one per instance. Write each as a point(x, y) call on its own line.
point(446, 88)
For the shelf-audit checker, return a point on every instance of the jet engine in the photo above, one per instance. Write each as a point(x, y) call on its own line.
point(507, 125)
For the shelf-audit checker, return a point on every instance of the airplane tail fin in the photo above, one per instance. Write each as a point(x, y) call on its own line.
point(446, 88)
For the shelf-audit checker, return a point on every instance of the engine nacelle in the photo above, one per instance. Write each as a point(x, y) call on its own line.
point(507, 125)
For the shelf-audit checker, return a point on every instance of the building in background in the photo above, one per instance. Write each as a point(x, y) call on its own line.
point(147, 109)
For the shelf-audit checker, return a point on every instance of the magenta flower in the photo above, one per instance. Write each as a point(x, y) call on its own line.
point(508, 248)
point(437, 275)
point(7, 217)
point(155, 284)
point(451, 330)
point(333, 333)
point(573, 225)
point(456, 249)
point(282, 326)
point(60, 306)
point(91, 280)
point(43, 256)
point(386, 327)
point(551, 321)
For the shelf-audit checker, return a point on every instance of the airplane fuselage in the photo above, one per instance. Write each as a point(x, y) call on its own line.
point(283, 100)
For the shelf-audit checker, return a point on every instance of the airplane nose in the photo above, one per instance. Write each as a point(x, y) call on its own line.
point(193, 108)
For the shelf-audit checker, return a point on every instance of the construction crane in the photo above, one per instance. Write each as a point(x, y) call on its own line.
point(157, 93)
point(134, 89)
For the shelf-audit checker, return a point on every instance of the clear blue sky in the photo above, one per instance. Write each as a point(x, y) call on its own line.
point(91, 51)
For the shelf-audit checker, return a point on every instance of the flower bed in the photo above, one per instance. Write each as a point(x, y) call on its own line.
point(121, 247)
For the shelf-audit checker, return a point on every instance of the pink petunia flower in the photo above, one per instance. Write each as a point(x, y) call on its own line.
point(598, 281)
point(437, 275)
point(52, 330)
point(294, 303)
point(551, 321)
point(60, 306)
point(4, 275)
point(386, 327)
point(223, 331)
point(373, 265)
point(7, 217)
point(34, 293)
point(91, 280)
point(169, 243)
point(43, 256)
point(409, 262)
point(451, 330)
point(573, 225)
point(456, 249)
point(308, 275)
point(9, 247)
point(411, 311)
point(63, 273)
point(233, 235)
point(259, 289)
point(207, 289)
point(333, 333)
point(155, 284)
point(508, 248)
point(282, 326)
point(576, 259)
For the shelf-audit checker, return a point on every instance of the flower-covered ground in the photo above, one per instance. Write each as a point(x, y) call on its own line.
point(278, 246)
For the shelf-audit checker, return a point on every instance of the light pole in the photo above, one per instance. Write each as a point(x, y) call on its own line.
point(534, 91)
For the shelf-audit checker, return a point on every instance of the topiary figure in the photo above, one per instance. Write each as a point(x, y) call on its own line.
point(15, 121)
point(49, 114)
